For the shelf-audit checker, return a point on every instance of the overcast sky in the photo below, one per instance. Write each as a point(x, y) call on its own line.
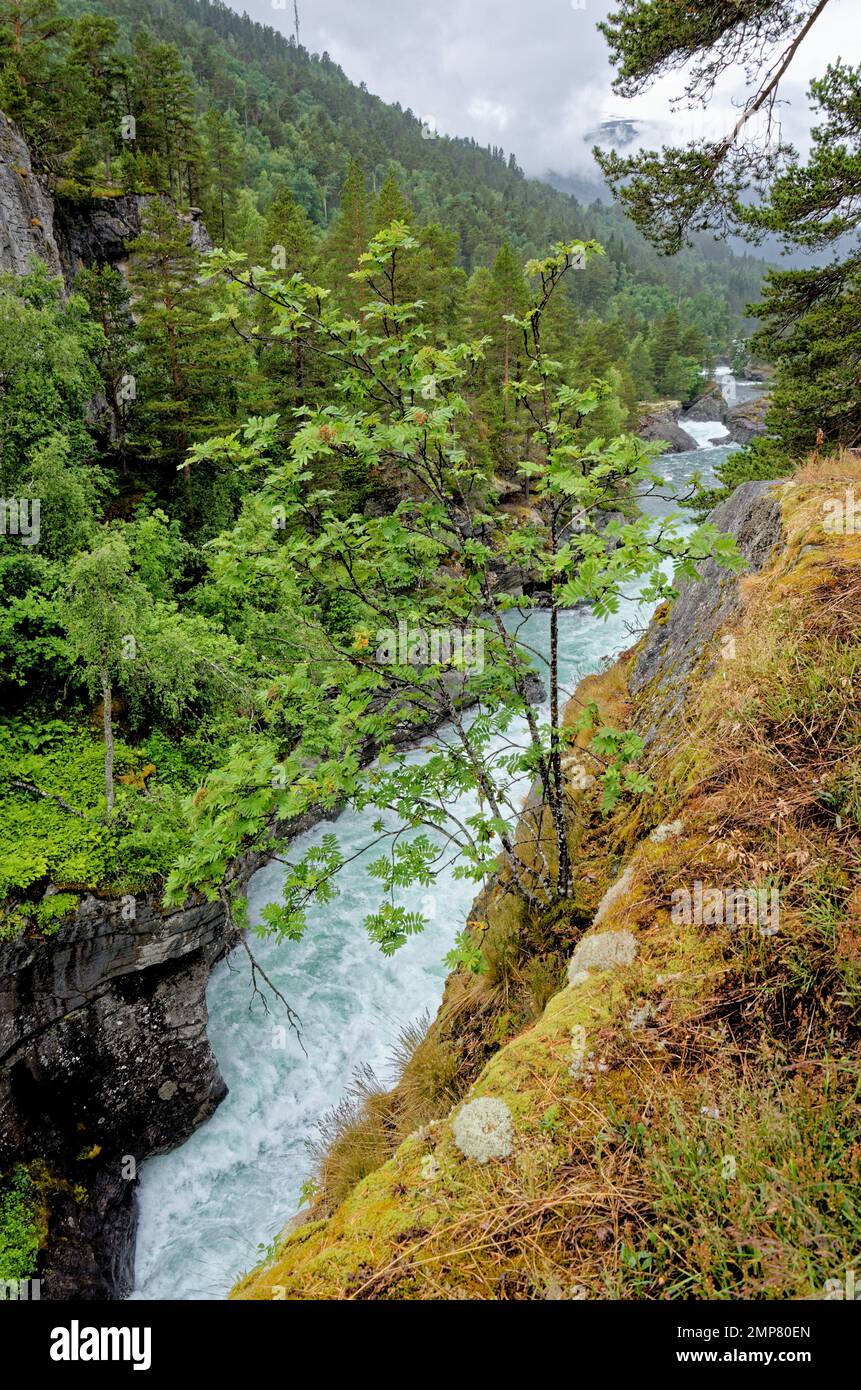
point(530, 75)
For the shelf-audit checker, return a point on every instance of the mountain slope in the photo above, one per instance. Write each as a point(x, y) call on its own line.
point(302, 120)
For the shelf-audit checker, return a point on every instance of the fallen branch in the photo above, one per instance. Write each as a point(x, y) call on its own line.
point(47, 796)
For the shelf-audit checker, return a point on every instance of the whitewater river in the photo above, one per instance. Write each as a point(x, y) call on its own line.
point(207, 1207)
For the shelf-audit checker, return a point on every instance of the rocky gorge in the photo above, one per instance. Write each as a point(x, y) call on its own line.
point(104, 1061)
point(561, 1129)
point(742, 421)
point(104, 1055)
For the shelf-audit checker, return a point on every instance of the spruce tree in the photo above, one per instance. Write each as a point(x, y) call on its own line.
point(289, 247)
point(390, 205)
point(665, 344)
point(188, 382)
point(510, 297)
point(290, 242)
point(106, 293)
point(642, 368)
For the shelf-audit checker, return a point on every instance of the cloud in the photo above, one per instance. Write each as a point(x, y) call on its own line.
point(491, 113)
point(537, 73)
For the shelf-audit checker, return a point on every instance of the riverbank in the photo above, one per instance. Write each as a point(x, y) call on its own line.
point(695, 1069)
point(354, 1004)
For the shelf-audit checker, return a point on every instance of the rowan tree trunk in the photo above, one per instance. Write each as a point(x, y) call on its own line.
point(557, 791)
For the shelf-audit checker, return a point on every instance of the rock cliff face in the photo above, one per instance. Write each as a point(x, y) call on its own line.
point(67, 234)
point(99, 230)
point(673, 649)
point(26, 210)
point(104, 1061)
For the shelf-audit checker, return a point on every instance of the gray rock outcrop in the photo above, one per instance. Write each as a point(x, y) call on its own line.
point(709, 406)
point(98, 230)
point(67, 233)
point(676, 644)
point(747, 420)
point(604, 950)
point(662, 422)
point(26, 209)
point(105, 1061)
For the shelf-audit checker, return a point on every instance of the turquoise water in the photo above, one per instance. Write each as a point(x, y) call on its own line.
point(206, 1207)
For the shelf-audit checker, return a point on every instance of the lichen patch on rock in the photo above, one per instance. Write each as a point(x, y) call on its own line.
point(614, 894)
point(483, 1129)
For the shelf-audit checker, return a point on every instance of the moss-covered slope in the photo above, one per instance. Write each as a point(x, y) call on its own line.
point(682, 1118)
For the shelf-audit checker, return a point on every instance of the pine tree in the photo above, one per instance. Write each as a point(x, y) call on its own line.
point(100, 73)
point(511, 295)
point(224, 169)
point(323, 141)
point(187, 386)
point(492, 295)
point(348, 237)
point(161, 95)
point(31, 85)
point(811, 318)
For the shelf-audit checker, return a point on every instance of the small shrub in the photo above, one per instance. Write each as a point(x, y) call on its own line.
point(20, 1226)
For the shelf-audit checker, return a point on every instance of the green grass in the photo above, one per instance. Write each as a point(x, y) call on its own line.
point(824, 956)
point(761, 1201)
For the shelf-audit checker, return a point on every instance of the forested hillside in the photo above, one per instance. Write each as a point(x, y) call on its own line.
point(142, 413)
point(292, 118)
point(244, 487)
